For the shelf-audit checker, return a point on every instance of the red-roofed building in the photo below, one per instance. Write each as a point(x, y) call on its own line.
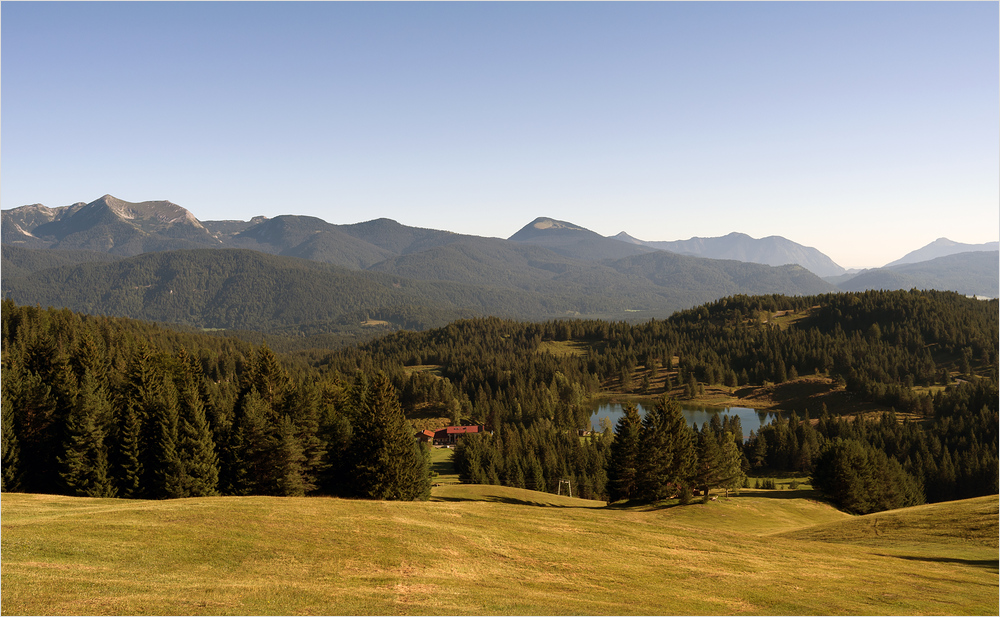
point(425, 436)
point(450, 434)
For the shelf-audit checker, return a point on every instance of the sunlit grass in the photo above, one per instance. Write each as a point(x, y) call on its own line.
point(564, 348)
point(493, 550)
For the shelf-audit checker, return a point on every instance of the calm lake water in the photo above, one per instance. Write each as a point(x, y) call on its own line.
point(750, 419)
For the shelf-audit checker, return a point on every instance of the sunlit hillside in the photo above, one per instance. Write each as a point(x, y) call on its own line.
point(491, 550)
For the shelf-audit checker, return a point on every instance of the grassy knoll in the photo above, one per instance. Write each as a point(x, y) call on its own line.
point(493, 550)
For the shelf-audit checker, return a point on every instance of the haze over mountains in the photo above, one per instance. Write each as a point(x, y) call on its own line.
point(93, 257)
point(772, 250)
point(941, 248)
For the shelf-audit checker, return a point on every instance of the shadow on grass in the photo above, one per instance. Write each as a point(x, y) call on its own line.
point(989, 564)
point(644, 506)
point(443, 468)
point(510, 500)
point(781, 494)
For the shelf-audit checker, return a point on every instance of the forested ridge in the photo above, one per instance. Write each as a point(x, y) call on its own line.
point(238, 288)
point(110, 406)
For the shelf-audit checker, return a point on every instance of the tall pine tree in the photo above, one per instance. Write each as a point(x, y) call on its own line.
point(624, 462)
point(667, 453)
point(84, 462)
point(389, 463)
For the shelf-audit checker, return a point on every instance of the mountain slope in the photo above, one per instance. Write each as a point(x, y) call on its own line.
point(772, 251)
point(699, 277)
point(235, 289)
point(243, 289)
point(973, 274)
point(19, 261)
point(400, 239)
point(482, 261)
point(941, 248)
point(310, 238)
point(19, 223)
point(575, 241)
point(108, 225)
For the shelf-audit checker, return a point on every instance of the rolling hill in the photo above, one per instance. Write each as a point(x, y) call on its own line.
point(484, 550)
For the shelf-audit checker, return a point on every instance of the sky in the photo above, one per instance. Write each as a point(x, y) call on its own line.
point(865, 130)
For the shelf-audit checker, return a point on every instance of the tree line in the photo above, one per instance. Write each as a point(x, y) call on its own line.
point(116, 406)
point(107, 407)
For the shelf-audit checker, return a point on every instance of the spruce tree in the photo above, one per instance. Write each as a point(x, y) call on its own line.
point(667, 453)
point(11, 450)
point(288, 460)
point(302, 405)
point(708, 469)
point(84, 461)
point(731, 474)
point(388, 460)
point(196, 444)
point(248, 462)
point(129, 465)
point(168, 477)
point(623, 464)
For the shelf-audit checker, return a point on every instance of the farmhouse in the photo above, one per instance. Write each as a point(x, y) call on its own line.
point(425, 436)
point(450, 434)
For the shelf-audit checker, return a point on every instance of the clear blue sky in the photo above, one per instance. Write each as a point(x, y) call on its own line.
point(865, 130)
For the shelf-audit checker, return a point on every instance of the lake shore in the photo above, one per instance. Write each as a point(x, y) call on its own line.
point(805, 394)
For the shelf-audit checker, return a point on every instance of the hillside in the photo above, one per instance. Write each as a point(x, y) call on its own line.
point(20, 261)
point(309, 238)
point(483, 550)
point(242, 289)
point(970, 273)
point(697, 275)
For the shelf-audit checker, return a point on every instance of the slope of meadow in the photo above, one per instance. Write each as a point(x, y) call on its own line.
point(492, 550)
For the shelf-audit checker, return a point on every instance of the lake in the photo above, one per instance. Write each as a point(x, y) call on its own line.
point(750, 419)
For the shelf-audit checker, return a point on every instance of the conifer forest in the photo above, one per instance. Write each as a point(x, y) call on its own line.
point(113, 407)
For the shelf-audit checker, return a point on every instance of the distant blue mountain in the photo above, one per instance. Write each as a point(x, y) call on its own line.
point(771, 251)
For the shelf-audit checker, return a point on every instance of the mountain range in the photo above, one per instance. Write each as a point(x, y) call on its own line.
point(103, 257)
point(941, 247)
point(772, 250)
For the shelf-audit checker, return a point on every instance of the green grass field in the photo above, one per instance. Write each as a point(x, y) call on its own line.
point(493, 550)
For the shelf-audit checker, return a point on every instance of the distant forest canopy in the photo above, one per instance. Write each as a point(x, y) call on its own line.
point(112, 406)
point(248, 290)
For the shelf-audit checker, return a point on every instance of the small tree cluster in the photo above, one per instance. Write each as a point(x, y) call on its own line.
point(663, 457)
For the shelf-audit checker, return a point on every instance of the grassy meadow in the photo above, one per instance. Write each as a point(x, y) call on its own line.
point(494, 550)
